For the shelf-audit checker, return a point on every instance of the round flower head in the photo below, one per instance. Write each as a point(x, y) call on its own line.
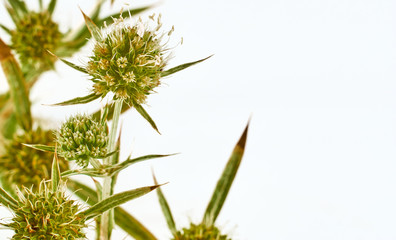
point(200, 232)
point(24, 166)
point(128, 61)
point(81, 138)
point(36, 33)
point(47, 215)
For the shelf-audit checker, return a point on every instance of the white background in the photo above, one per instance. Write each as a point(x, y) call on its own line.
point(318, 79)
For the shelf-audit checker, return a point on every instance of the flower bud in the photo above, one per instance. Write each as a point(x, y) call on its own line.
point(25, 166)
point(128, 61)
point(200, 232)
point(81, 138)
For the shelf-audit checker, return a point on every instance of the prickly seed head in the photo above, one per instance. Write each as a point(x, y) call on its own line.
point(128, 61)
point(81, 138)
point(33, 36)
point(24, 166)
point(200, 232)
point(47, 215)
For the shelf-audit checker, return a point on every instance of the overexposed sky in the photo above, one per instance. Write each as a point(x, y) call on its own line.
point(318, 80)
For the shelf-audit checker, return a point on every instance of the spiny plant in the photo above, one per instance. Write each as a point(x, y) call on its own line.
point(128, 62)
point(49, 213)
point(206, 229)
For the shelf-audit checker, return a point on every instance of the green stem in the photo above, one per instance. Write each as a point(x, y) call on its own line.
point(107, 186)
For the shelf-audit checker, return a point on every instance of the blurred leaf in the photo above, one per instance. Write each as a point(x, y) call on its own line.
point(7, 30)
point(55, 173)
point(79, 100)
point(7, 200)
point(40, 147)
point(51, 6)
point(116, 200)
point(146, 116)
point(15, 18)
point(10, 127)
point(16, 81)
point(122, 218)
point(19, 7)
point(166, 209)
point(181, 67)
point(224, 184)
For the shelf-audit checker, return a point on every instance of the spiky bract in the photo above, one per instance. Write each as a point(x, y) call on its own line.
point(34, 35)
point(47, 215)
point(24, 166)
point(81, 138)
point(128, 62)
point(200, 232)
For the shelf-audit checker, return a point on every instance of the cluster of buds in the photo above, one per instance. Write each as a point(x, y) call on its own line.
point(25, 166)
point(200, 232)
point(41, 34)
point(128, 61)
point(47, 215)
point(81, 138)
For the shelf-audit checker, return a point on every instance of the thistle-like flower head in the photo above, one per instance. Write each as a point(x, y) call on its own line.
point(200, 232)
point(34, 34)
point(47, 215)
point(128, 61)
point(24, 166)
point(81, 138)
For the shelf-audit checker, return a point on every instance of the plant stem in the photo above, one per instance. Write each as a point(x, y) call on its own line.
point(107, 186)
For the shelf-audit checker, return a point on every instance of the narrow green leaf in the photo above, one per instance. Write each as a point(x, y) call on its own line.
point(10, 126)
point(7, 200)
point(19, 7)
point(146, 116)
point(15, 18)
point(130, 161)
point(224, 183)
point(93, 29)
point(181, 67)
point(92, 172)
point(78, 68)
point(51, 6)
point(18, 90)
point(116, 200)
point(166, 209)
point(79, 100)
point(40, 147)
point(55, 173)
point(6, 29)
point(98, 189)
point(122, 218)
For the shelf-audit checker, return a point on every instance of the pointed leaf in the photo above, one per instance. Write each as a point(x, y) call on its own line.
point(146, 116)
point(130, 161)
point(40, 147)
point(165, 209)
point(17, 84)
point(55, 173)
point(15, 18)
point(51, 6)
point(224, 183)
point(7, 200)
point(98, 189)
point(19, 7)
point(92, 172)
point(6, 29)
point(122, 218)
point(181, 67)
point(93, 29)
point(79, 100)
point(78, 68)
point(116, 200)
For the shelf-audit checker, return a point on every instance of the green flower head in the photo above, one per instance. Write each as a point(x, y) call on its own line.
point(34, 35)
point(128, 61)
point(47, 215)
point(200, 232)
point(25, 166)
point(81, 138)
